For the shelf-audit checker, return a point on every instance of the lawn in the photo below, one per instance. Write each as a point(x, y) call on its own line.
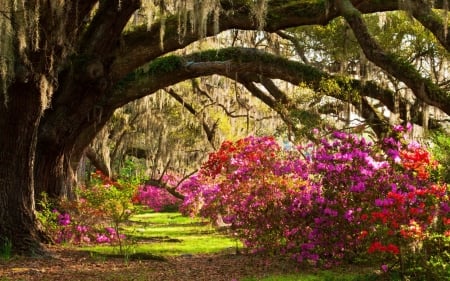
point(167, 246)
point(172, 234)
point(169, 234)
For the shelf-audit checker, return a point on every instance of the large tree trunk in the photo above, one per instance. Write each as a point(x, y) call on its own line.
point(54, 173)
point(57, 159)
point(20, 112)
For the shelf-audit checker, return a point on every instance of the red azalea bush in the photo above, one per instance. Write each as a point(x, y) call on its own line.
point(323, 203)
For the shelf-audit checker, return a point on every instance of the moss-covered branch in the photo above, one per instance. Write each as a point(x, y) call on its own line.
point(142, 45)
point(423, 88)
point(431, 20)
point(245, 65)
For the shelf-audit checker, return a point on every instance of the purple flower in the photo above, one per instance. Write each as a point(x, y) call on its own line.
point(348, 215)
point(102, 238)
point(111, 231)
point(398, 128)
point(82, 228)
point(408, 127)
point(359, 187)
point(64, 219)
point(384, 267)
point(330, 212)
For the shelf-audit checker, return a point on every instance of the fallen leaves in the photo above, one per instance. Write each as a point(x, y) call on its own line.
point(72, 264)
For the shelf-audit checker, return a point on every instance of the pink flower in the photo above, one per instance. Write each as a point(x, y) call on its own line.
point(64, 219)
point(102, 238)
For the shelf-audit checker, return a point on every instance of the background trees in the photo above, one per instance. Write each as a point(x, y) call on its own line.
point(66, 66)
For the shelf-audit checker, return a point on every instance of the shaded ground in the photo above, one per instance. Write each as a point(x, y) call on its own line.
point(71, 264)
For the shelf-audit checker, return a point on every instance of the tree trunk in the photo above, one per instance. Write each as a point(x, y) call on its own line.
point(54, 173)
point(20, 111)
point(58, 158)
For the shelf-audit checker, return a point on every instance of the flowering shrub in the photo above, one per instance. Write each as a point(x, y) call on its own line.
point(96, 216)
point(350, 197)
point(157, 198)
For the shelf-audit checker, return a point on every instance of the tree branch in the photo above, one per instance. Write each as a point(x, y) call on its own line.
point(423, 88)
point(96, 161)
point(107, 25)
point(227, 62)
point(139, 46)
point(422, 11)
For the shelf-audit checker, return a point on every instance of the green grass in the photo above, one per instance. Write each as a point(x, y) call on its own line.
point(171, 234)
point(168, 234)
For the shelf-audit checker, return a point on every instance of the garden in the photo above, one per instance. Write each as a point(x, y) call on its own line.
point(340, 207)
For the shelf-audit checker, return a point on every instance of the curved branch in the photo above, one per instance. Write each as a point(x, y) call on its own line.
point(170, 70)
point(423, 88)
point(142, 45)
point(96, 161)
point(421, 11)
point(102, 26)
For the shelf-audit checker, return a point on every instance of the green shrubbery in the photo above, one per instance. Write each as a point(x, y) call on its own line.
point(96, 217)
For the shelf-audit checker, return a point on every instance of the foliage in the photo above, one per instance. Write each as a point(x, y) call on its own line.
point(440, 150)
point(5, 249)
point(132, 172)
point(337, 199)
point(96, 217)
point(46, 215)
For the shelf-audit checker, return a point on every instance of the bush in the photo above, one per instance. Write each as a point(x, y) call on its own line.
point(157, 198)
point(336, 200)
point(95, 218)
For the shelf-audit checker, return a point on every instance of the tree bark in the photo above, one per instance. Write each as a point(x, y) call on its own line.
point(54, 173)
point(77, 114)
point(19, 118)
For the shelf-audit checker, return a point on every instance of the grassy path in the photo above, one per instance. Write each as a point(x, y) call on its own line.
point(191, 249)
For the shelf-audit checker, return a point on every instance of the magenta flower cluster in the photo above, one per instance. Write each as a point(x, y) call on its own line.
point(71, 232)
point(157, 198)
point(323, 202)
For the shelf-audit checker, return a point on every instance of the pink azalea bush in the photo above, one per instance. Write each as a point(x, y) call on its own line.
point(158, 198)
point(333, 200)
point(96, 216)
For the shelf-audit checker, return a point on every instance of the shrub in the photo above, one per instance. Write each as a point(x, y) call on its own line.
point(338, 199)
point(157, 198)
point(95, 217)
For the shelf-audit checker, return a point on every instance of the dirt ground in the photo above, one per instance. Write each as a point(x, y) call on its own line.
point(71, 264)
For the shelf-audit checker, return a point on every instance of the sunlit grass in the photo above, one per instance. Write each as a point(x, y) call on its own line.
point(168, 234)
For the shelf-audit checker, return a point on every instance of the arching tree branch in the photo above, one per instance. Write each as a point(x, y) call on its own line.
point(421, 10)
point(244, 62)
point(423, 88)
point(139, 45)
